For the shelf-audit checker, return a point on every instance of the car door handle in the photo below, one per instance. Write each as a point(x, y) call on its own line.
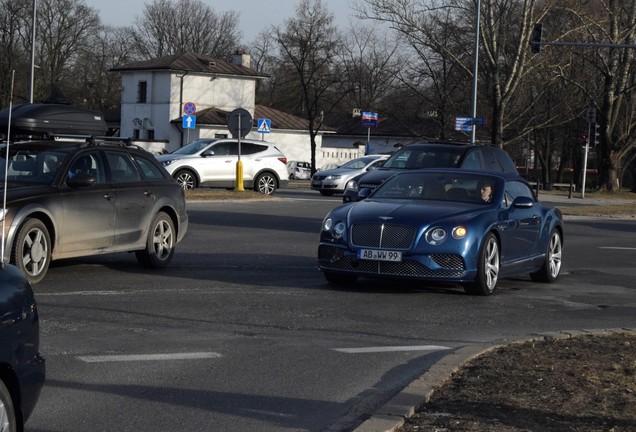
point(148, 193)
point(108, 195)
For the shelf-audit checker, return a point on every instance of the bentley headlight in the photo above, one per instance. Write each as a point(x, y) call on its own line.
point(339, 230)
point(327, 224)
point(436, 236)
point(460, 232)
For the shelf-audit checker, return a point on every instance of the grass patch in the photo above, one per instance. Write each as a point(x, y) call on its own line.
point(210, 194)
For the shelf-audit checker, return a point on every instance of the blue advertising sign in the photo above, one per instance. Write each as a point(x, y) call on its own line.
point(464, 124)
point(369, 119)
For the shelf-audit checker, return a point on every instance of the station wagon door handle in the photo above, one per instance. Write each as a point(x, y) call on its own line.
point(108, 195)
point(148, 193)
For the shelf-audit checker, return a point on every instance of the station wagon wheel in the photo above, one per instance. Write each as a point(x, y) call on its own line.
point(487, 268)
point(551, 268)
point(339, 278)
point(186, 178)
point(266, 183)
point(160, 243)
point(32, 250)
point(8, 421)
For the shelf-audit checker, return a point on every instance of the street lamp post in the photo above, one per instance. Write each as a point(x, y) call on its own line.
point(32, 52)
point(475, 70)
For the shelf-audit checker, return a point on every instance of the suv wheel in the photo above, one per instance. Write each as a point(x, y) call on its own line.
point(32, 250)
point(160, 244)
point(266, 183)
point(186, 179)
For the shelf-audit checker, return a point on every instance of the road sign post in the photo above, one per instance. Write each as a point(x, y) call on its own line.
point(369, 119)
point(239, 123)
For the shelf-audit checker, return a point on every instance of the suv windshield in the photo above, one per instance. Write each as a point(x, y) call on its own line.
point(192, 148)
point(439, 157)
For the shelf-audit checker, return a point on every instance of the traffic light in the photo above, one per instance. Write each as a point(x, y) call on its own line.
point(596, 135)
point(537, 34)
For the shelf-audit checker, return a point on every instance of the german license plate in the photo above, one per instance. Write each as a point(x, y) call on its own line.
point(379, 255)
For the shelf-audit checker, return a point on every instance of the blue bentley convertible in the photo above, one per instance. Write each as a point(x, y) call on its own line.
point(441, 225)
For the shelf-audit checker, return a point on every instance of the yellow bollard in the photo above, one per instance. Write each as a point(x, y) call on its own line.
point(239, 176)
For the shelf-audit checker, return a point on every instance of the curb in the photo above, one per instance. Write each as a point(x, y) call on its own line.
point(392, 414)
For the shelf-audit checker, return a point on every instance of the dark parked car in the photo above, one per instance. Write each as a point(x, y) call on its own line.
point(453, 226)
point(22, 368)
point(432, 155)
point(69, 199)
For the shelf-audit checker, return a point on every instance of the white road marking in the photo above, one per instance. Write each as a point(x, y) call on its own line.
point(618, 248)
point(149, 357)
point(392, 349)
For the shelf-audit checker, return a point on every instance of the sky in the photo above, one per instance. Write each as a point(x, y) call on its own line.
point(254, 15)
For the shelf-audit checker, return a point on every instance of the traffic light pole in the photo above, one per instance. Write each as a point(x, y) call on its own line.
point(587, 149)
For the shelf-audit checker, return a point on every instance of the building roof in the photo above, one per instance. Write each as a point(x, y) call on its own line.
point(190, 62)
point(279, 119)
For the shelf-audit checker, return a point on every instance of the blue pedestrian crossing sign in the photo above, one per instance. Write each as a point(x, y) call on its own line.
point(189, 121)
point(264, 125)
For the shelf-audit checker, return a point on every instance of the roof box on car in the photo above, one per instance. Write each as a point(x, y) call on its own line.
point(53, 119)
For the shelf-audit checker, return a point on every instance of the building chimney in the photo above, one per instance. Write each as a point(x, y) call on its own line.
point(241, 57)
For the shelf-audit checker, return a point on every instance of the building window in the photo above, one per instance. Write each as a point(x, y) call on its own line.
point(136, 134)
point(142, 91)
point(151, 134)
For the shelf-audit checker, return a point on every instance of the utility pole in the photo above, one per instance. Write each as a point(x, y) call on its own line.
point(32, 51)
point(475, 71)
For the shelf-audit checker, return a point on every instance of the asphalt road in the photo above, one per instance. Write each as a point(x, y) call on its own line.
point(242, 333)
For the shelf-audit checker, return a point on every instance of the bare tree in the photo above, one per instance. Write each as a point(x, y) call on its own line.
point(64, 30)
point(613, 87)
point(309, 44)
point(371, 64)
point(95, 86)
point(15, 24)
point(176, 26)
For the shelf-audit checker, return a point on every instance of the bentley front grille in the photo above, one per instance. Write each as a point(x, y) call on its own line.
point(382, 235)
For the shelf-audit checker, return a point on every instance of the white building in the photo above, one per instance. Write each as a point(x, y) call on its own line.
point(154, 94)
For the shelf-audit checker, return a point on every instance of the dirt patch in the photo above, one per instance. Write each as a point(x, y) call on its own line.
point(586, 383)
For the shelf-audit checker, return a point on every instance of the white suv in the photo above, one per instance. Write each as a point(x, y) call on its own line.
point(212, 162)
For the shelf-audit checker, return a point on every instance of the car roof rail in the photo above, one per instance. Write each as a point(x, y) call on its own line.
point(69, 137)
point(112, 140)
